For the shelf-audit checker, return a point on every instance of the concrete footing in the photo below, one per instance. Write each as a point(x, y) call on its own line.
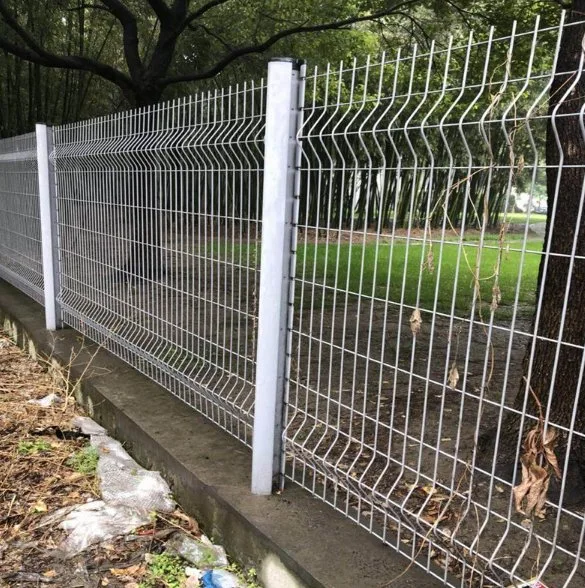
point(292, 539)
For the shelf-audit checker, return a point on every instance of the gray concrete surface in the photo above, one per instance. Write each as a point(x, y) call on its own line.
point(293, 539)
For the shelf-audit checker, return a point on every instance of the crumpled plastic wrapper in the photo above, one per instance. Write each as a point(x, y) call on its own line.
point(202, 553)
point(129, 494)
point(95, 522)
point(47, 401)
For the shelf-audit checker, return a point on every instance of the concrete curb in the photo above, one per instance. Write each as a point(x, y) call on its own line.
point(293, 540)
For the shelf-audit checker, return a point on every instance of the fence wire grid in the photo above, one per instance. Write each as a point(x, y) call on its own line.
point(158, 226)
point(21, 261)
point(415, 361)
point(433, 380)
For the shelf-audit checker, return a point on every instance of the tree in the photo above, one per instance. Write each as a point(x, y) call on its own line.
point(191, 39)
point(553, 384)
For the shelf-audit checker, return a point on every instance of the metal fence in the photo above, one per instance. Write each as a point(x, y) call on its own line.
point(158, 231)
point(20, 228)
point(417, 367)
point(399, 355)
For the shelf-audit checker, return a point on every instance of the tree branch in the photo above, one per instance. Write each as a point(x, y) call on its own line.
point(35, 53)
point(261, 47)
point(201, 11)
point(209, 32)
point(160, 8)
point(130, 37)
point(89, 7)
point(68, 62)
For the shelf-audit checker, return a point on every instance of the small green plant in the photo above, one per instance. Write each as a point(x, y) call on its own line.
point(33, 447)
point(164, 569)
point(84, 461)
point(248, 577)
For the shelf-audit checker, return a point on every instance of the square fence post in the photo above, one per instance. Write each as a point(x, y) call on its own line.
point(282, 121)
point(48, 212)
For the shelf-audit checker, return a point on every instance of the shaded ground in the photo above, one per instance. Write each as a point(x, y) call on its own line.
point(40, 472)
point(383, 423)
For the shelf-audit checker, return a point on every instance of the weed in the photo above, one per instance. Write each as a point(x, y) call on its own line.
point(248, 577)
point(84, 461)
point(33, 447)
point(164, 569)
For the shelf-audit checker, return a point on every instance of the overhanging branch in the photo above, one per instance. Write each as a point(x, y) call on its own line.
point(72, 62)
point(130, 34)
point(263, 46)
point(162, 11)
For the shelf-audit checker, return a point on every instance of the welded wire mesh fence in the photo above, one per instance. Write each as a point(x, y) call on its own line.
point(435, 357)
point(20, 228)
point(159, 229)
point(416, 369)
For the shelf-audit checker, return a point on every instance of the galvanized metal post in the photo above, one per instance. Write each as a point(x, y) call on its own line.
point(48, 211)
point(282, 119)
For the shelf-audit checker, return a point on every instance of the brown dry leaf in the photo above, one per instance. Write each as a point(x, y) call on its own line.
point(537, 491)
point(74, 477)
point(520, 491)
point(496, 298)
point(549, 445)
point(535, 478)
point(453, 376)
point(39, 506)
point(192, 524)
point(415, 321)
point(50, 574)
point(129, 571)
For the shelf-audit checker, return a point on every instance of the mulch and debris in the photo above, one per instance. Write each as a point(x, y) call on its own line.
point(50, 472)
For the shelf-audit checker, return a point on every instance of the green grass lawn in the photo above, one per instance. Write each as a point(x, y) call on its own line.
point(390, 265)
point(387, 268)
point(520, 218)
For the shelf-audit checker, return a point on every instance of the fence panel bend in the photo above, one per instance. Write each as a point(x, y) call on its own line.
point(419, 336)
point(159, 222)
point(21, 261)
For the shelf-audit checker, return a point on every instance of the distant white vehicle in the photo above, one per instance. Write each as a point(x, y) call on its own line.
point(525, 202)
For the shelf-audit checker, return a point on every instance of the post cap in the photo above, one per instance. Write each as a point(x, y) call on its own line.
point(296, 63)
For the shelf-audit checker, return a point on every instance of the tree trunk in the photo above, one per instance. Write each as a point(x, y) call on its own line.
point(555, 374)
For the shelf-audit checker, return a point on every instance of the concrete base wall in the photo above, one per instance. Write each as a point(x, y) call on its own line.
point(292, 539)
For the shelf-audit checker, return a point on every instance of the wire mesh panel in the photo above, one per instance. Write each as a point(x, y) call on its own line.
point(20, 229)
point(433, 395)
point(159, 226)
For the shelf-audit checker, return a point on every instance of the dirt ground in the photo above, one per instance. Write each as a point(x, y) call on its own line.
point(39, 474)
point(377, 430)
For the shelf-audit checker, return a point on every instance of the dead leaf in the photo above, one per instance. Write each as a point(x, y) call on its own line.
point(192, 524)
point(453, 376)
point(39, 506)
point(74, 477)
point(533, 487)
point(50, 574)
point(548, 446)
point(415, 321)
point(129, 571)
point(496, 298)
